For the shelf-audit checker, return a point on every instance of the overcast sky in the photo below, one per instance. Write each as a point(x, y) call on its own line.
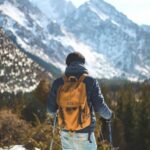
point(136, 10)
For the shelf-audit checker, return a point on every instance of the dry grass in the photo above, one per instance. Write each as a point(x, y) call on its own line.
point(13, 130)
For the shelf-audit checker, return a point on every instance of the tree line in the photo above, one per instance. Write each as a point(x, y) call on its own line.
point(130, 102)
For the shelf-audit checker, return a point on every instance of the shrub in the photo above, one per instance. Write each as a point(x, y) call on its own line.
point(42, 91)
point(34, 110)
point(13, 130)
point(41, 136)
point(37, 106)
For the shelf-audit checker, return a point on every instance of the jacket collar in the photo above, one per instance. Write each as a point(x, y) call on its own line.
point(75, 68)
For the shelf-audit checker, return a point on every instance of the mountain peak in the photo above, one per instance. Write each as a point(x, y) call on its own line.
point(50, 8)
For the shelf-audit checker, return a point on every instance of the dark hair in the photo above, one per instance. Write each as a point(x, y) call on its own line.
point(75, 56)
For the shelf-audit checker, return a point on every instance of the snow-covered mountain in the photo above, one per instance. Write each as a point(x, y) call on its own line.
point(112, 34)
point(47, 39)
point(32, 29)
point(17, 71)
point(112, 44)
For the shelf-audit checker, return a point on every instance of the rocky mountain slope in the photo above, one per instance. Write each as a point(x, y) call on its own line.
point(48, 39)
point(34, 32)
point(109, 32)
point(113, 45)
point(17, 71)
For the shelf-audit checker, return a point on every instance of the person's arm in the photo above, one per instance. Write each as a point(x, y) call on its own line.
point(52, 104)
point(98, 102)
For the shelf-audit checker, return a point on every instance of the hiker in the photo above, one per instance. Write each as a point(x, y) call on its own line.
point(77, 97)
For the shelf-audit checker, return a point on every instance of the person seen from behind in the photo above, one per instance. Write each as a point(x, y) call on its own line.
point(76, 97)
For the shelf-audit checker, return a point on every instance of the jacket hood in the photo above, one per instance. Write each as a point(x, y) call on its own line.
point(76, 68)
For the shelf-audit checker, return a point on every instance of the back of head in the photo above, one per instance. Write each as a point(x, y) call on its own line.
point(75, 57)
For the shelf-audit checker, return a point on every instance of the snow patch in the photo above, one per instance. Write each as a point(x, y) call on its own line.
point(2, 72)
point(143, 70)
point(16, 147)
point(14, 13)
point(115, 23)
point(101, 15)
point(130, 32)
point(133, 79)
point(96, 63)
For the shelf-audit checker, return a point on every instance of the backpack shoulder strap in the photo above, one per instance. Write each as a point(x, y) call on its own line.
point(70, 78)
point(83, 76)
point(65, 78)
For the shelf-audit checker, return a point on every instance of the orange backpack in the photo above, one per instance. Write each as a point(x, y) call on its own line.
point(74, 112)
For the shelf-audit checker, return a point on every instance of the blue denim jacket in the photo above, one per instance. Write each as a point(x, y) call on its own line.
point(94, 95)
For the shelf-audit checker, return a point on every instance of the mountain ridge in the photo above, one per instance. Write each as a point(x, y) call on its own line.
point(112, 44)
point(110, 37)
